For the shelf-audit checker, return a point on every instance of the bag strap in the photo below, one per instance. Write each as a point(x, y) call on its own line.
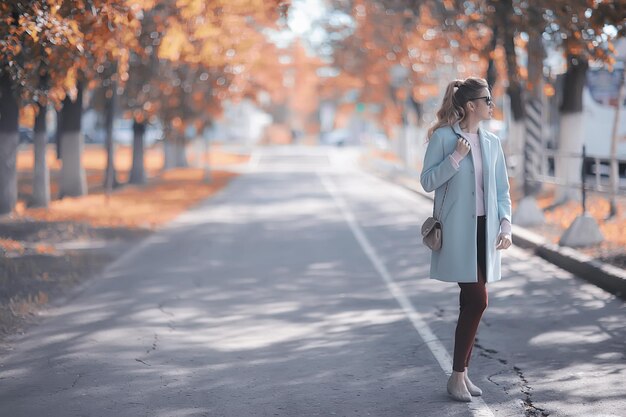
point(446, 190)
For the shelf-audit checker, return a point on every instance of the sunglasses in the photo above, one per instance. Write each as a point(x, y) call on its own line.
point(487, 99)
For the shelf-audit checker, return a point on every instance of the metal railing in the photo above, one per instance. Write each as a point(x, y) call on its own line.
point(591, 167)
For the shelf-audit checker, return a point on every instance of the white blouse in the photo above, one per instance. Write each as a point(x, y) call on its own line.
point(477, 158)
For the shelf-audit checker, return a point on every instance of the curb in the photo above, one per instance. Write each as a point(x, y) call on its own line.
point(603, 275)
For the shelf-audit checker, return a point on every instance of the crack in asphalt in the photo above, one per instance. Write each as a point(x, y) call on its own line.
point(152, 348)
point(154, 344)
point(161, 305)
point(76, 380)
point(489, 353)
point(144, 362)
point(155, 341)
point(530, 409)
point(489, 378)
point(65, 369)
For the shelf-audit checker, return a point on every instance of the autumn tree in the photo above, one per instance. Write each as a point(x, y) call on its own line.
point(305, 91)
point(399, 52)
point(36, 47)
point(108, 30)
point(577, 28)
point(288, 77)
point(141, 98)
point(580, 29)
point(12, 33)
point(49, 43)
point(8, 143)
point(206, 53)
point(194, 55)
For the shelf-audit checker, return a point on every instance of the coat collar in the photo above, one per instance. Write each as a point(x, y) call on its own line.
point(484, 140)
point(485, 150)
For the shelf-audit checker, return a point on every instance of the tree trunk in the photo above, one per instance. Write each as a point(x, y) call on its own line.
point(534, 120)
point(515, 148)
point(514, 90)
point(138, 172)
point(614, 165)
point(73, 182)
point(110, 178)
point(419, 112)
point(573, 84)
point(181, 152)
point(520, 140)
point(492, 72)
point(41, 178)
point(536, 53)
point(516, 126)
point(207, 178)
point(175, 155)
point(9, 138)
point(571, 139)
point(57, 134)
point(169, 154)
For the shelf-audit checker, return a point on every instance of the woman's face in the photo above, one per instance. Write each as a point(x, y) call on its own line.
point(482, 106)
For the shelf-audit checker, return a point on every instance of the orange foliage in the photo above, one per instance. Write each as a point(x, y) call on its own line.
point(53, 44)
point(614, 230)
point(215, 50)
point(44, 249)
point(304, 100)
point(395, 51)
point(94, 161)
point(383, 154)
point(162, 199)
point(560, 218)
point(146, 207)
point(9, 245)
point(205, 47)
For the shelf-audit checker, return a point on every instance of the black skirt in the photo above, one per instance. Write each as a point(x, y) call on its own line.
point(481, 246)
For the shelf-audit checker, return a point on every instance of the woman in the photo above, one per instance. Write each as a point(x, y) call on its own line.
point(465, 167)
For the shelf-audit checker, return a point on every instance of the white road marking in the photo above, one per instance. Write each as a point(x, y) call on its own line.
point(478, 407)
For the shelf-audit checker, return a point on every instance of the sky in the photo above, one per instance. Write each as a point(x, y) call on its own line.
point(302, 14)
point(306, 20)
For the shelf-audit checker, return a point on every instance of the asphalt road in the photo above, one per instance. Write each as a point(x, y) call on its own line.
point(302, 290)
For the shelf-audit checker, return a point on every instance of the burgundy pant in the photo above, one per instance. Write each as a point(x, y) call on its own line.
point(472, 302)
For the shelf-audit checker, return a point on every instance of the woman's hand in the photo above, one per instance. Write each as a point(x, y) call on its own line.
point(504, 241)
point(462, 147)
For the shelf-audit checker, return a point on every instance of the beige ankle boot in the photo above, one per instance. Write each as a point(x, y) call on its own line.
point(457, 388)
point(473, 389)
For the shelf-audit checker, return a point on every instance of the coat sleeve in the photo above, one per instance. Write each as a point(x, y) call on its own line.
point(502, 186)
point(437, 168)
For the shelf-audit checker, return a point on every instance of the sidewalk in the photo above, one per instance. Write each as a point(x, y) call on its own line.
point(46, 252)
point(541, 240)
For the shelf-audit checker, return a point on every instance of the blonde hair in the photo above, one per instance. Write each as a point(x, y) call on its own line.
point(457, 94)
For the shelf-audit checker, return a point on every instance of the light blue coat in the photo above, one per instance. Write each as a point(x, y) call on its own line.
point(456, 260)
